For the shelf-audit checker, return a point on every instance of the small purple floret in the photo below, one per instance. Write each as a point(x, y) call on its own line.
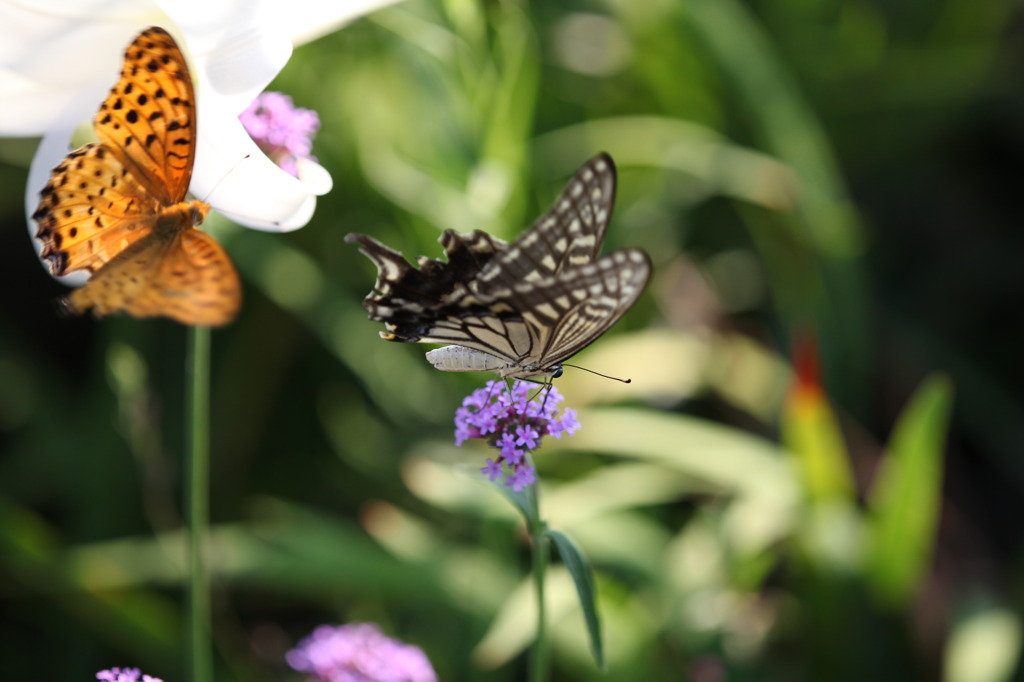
point(567, 424)
point(522, 478)
point(359, 652)
point(125, 675)
point(492, 470)
point(283, 131)
point(514, 424)
point(527, 437)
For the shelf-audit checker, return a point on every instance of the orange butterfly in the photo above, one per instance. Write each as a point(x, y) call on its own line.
point(116, 208)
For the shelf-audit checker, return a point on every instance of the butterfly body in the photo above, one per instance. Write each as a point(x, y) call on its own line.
point(184, 215)
point(463, 359)
point(116, 208)
point(517, 309)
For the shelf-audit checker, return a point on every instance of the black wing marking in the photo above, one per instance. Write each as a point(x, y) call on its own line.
point(569, 233)
point(612, 283)
point(534, 302)
point(403, 294)
point(553, 319)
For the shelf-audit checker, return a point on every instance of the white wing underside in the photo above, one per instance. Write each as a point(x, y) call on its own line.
point(462, 359)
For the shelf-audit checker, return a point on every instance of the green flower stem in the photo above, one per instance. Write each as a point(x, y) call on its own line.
point(197, 405)
point(541, 655)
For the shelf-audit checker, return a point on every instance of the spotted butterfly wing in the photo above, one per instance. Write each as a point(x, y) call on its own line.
point(148, 120)
point(519, 309)
point(116, 208)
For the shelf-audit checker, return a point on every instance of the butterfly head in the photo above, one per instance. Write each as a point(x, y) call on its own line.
point(197, 211)
point(531, 373)
point(182, 215)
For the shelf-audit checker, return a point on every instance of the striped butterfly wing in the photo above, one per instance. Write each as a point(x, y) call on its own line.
point(407, 299)
point(584, 301)
point(530, 329)
point(521, 308)
point(569, 233)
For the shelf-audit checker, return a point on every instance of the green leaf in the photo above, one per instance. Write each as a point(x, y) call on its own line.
point(905, 499)
point(524, 500)
point(583, 576)
point(787, 125)
point(812, 433)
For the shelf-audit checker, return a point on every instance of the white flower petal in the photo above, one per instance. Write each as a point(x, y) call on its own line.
point(58, 60)
point(314, 176)
point(26, 119)
point(238, 69)
point(238, 180)
point(41, 48)
point(233, 58)
point(306, 20)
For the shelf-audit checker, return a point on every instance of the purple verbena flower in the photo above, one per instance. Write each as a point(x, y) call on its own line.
point(487, 422)
point(567, 424)
point(506, 442)
point(283, 131)
point(125, 675)
point(359, 652)
point(493, 469)
point(514, 424)
point(527, 437)
point(522, 477)
point(513, 456)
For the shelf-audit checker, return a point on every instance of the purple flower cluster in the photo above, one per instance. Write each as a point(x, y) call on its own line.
point(359, 652)
point(514, 424)
point(125, 675)
point(283, 131)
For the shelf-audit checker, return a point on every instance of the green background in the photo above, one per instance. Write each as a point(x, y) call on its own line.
point(806, 174)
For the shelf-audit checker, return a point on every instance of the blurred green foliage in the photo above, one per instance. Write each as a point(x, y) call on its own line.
point(842, 171)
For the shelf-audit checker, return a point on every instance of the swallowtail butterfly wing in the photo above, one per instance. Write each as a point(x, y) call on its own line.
point(517, 309)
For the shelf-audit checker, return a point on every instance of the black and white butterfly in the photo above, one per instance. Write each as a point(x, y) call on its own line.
point(517, 309)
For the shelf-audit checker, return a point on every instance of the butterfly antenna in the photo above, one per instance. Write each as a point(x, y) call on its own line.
point(231, 170)
point(625, 381)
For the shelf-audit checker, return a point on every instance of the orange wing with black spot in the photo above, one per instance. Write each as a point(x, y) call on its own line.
point(116, 208)
point(149, 119)
point(186, 276)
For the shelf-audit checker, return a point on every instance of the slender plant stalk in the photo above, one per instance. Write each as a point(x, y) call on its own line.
point(540, 657)
point(197, 494)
